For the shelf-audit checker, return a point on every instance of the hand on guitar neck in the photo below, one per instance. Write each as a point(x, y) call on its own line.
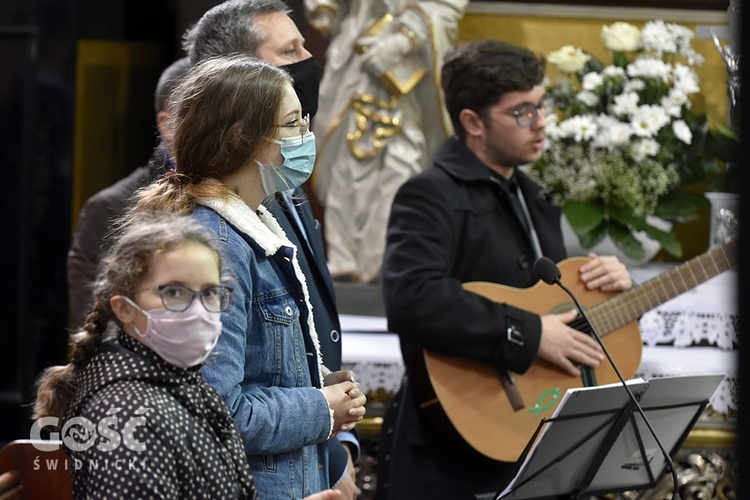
point(567, 347)
point(605, 273)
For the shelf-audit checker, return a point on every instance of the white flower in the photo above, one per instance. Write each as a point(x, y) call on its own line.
point(633, 85)
point(607, 121)
point(656, 37)
point(621, 37)
point(693, 58)
point(591, 81)
point(612, 133)
point(580, 127)
point(589, 98)
point(644, 148)
point(649, 67)
point(648, 120)
point(685, 79)
point(631, 154)
point(682, 131)
point(613, 72)
point(552, 132)
point(682, 37)
point(674, 101)
point(680, 32)
point(568, 59)
point(625, 104)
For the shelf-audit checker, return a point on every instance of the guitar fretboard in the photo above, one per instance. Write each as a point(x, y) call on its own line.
point(632, 304)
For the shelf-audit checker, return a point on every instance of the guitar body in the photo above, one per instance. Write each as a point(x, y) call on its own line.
point(472, 397)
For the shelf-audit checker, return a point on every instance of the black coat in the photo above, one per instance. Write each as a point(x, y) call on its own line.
point(312, 261)
point(449, 225)
point(91, 238)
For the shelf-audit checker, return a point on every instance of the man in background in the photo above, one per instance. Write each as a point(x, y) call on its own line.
point(91, 237)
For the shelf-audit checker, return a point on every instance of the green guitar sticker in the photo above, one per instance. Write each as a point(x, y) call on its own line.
point(546, 401)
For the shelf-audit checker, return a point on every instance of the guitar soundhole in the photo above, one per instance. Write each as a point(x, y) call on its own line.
point(588, 376)
point(562, 308)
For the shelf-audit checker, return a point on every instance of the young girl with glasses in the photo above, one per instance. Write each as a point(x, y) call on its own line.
point(132, 408)
point(134, 412)
point(239, 137)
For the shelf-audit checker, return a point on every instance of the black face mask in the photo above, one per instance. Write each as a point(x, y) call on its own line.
point(306, 75)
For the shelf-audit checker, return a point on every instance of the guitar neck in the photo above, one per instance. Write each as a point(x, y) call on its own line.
point(632, 304)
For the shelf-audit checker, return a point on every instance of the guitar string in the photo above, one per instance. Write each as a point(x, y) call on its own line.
point(629, 305)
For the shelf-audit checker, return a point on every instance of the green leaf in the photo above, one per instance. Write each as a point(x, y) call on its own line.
point(679, 206)
point(623, 237)
point(725, 131)
point(594, 236)
point(627, 219)
point(583, 216)
point(668, 241)
point(631, 223)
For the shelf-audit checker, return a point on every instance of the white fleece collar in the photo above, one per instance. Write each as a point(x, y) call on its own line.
point(259, 224)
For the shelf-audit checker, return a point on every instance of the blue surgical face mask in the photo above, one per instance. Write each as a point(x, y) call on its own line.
point(299, 160)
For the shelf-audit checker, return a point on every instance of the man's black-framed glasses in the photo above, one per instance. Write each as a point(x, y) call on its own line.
point(527, 114)
point(177, 298)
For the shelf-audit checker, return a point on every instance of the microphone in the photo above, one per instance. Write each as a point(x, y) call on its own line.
point(548, 272)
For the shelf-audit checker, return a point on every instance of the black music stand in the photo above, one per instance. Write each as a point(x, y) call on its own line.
point(597, 441)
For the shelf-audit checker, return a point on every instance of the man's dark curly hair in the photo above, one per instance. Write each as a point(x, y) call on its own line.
point(477, 74)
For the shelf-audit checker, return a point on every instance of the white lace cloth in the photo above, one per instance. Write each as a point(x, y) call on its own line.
point(372, 353)
point(704, 316)
point(694, 333)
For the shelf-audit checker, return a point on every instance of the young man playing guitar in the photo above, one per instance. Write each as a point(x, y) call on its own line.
point(472, 217)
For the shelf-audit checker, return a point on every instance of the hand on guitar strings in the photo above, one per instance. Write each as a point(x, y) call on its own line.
point(565, 346)
point(605, 273)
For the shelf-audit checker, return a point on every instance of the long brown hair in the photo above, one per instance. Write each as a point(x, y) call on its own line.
point(222, 114)
point(121, 271)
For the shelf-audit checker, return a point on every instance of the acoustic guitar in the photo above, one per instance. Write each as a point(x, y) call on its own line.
point(472, 399)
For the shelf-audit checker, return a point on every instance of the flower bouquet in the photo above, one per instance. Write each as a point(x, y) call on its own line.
point(623, 143)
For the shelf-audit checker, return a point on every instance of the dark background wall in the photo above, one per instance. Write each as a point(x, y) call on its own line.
point(37, 56)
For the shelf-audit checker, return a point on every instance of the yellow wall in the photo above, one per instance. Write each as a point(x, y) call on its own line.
point(114, 119)
point(544, 34)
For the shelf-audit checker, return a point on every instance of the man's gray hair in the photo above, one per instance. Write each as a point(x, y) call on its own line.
point(229, 28)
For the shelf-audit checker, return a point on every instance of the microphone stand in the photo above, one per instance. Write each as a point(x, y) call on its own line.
point(667, 458)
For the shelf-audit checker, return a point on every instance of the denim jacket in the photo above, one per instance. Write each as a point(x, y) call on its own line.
point(266, 364)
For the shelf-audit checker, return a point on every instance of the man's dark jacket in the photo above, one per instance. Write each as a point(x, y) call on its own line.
point(312, 261)
point(90, 239)
point(452, 224)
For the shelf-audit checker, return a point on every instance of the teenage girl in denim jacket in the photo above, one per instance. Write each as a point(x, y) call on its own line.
point(239, 137)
